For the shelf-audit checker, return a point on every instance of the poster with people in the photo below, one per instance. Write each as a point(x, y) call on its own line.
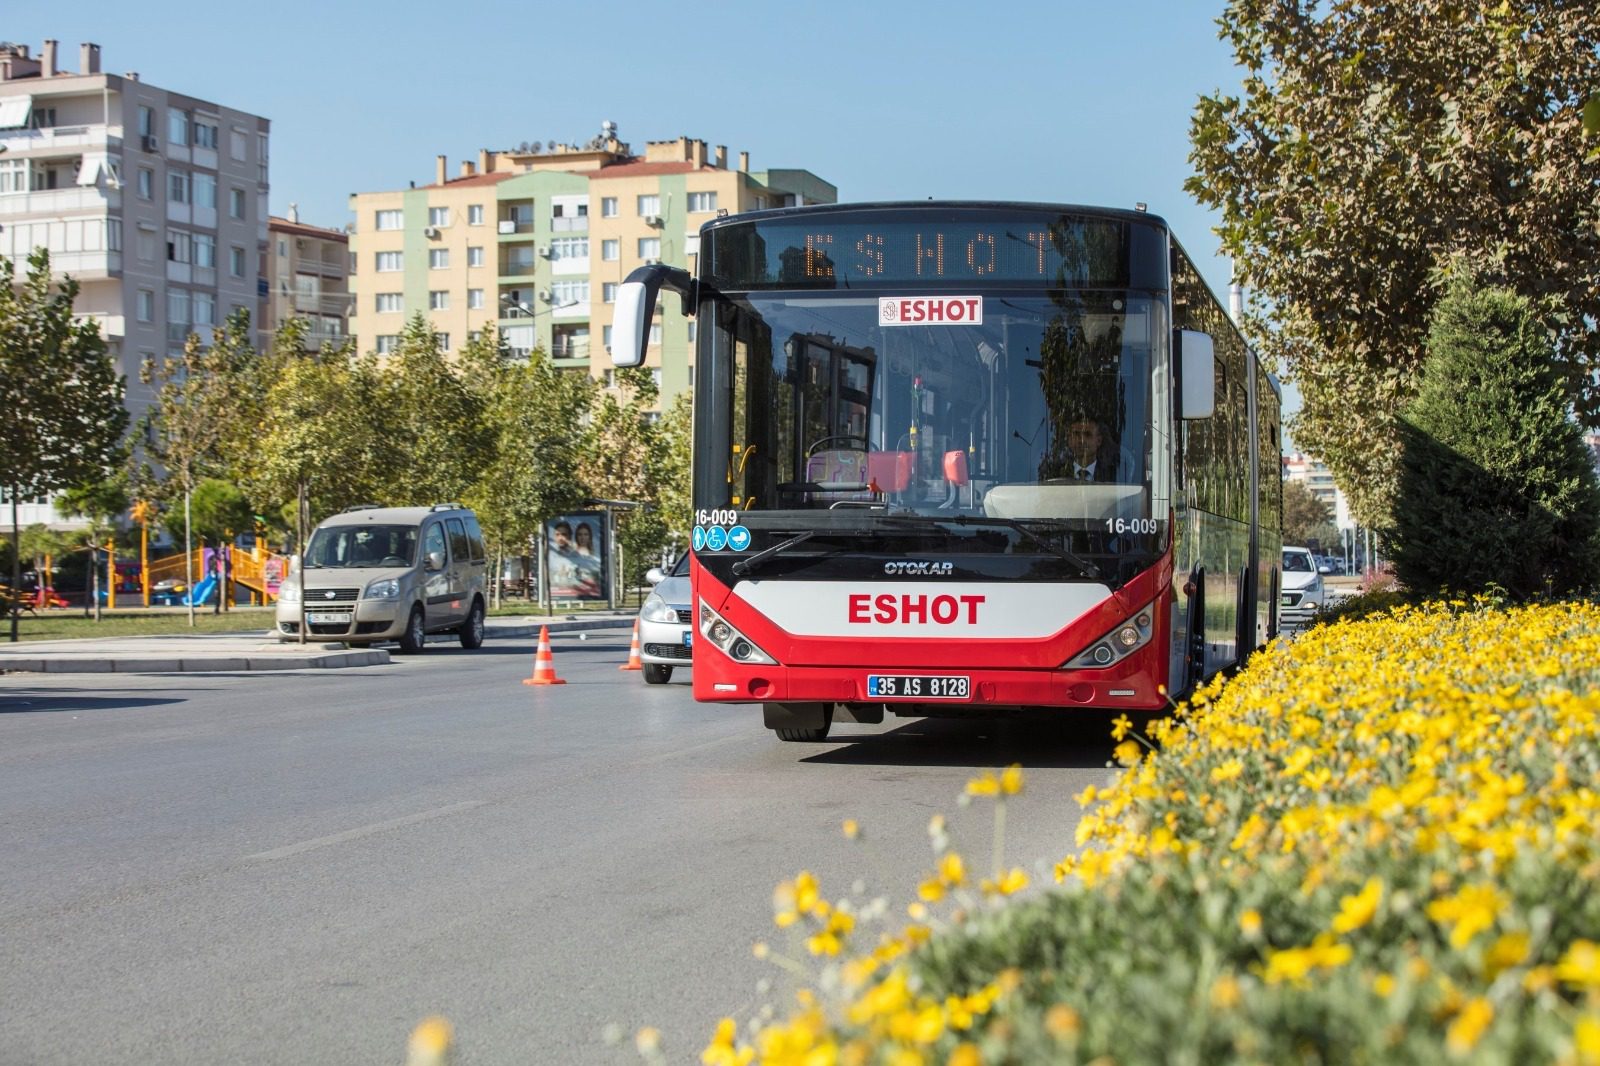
point(575, 557)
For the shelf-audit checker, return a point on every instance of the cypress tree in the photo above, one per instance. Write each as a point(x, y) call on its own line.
point(1496, 485)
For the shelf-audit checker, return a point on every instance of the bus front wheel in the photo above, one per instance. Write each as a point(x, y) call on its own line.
point(804, 723)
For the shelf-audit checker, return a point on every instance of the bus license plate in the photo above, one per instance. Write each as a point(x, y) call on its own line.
point(918, 687)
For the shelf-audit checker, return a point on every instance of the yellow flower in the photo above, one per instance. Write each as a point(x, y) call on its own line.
point(851, 829)
point(1127, 753)
point(1357, 910)
point(1383, 985)
point(1011, 779)
point(952, 871)
point(1225, 993)
point(1011, 883)
point(1581, 964)
point(1586, 1040)
point(1227, 771)
point(722, 1050)
point(986, 784)
point(1121, 727)
point(1294, 964)
point(1250, 923)
point(1468, 912)
point(965, 1055)
point(648, 1040)
point(1468, 1027)
point(1510, 950)
point(1062, 1022)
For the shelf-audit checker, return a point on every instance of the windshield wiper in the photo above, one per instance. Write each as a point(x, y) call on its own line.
point(1088, 568)
point(746, 565)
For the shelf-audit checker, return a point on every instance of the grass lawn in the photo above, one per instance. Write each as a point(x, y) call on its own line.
point(68, 625)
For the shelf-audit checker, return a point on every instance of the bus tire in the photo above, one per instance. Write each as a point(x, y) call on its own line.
point(804, 723)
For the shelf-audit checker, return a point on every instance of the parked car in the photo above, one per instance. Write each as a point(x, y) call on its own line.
point(1302, 591)
point(666, 623)
point(374, 574)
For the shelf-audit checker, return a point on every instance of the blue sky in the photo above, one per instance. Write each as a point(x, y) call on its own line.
point(1064, 101)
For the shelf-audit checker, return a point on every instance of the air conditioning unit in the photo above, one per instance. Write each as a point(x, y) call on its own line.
point(508, 226)
point(652, 262)
point(431, 232)
point(149, 142)
point(547, 253)
point(653, 220)
point(546, 295)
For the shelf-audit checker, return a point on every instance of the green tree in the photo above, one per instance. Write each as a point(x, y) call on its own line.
point(61, 413)
point(622, 460)
point(100, 503)
point(433, 418)
point(534, 417)
point(671, 475)
point(1496, 485)
point(220, 509)
point(1374, 148)
point(195, 415)
point(1305, 517)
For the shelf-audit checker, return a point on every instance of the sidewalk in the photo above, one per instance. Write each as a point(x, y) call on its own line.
point(235, 652)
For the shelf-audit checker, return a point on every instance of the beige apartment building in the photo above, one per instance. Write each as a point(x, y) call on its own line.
point(156, 202)
point(535, 241)
point(307, 270)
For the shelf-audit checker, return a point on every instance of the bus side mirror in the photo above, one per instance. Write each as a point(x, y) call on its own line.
point(636, 306)
point(1197, 368)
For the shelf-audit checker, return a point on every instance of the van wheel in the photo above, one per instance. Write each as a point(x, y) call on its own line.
point(656, 674)
point(416, 635)
point(472, 629)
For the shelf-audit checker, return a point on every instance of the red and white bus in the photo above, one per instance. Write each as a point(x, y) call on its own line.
point(966, 458)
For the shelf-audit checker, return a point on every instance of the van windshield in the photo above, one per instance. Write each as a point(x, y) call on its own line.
point(353, 546)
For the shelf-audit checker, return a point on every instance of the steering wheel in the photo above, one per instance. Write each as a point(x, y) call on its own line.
point(392, 560)
point(866, 445)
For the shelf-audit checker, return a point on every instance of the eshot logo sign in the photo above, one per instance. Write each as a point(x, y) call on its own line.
point(930, 310)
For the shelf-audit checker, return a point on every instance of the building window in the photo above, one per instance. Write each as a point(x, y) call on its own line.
point(235, 203)
point(387, 342)
point(388, 262)
point(147, 182)
point(389, 301)
point(205, 251)
point(180, 188)
point(605, 337)
point(442, 340)
point(649, 247)
point(178, 247)
point(563, 293)
point(439, 300)
point(205, 309)
point(144, 243)
point(205, 190)
point(177, 126)
point(205, 135)
point(391, 220)
point(569, 248)
point(438, 216)
point(611, 250)
point(608, 207)
point(237, 145)
point(147, 121)
point(475, 299)
point(691, 244)
point(692, 324)
point(655, 334)
point(146, 305)
point(475, 256)
point(438, 259)
point(178, 312)
point(608, 292)
point(702, 201)
point(474, 336)
point(236, 261)
point(649, 205)
point(13, 175)
point(283, 248)
point(475, 214)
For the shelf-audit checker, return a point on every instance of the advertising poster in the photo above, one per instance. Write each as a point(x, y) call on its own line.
point(575, 554)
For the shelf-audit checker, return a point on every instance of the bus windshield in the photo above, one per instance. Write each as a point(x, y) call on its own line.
point(837, 409)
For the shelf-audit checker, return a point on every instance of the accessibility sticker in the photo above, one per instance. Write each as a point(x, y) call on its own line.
point(699, 537)
point(716, 538)
point(738, 538)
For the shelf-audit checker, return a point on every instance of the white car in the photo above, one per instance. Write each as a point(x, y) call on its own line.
point(1302, 590)
point(666, 628)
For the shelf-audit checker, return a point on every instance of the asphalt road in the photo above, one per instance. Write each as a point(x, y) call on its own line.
point(299, 867)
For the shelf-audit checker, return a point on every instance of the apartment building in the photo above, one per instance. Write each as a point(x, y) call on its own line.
point(535, 240)
point(1314, 473)
point(307, 270)
point(156, 202)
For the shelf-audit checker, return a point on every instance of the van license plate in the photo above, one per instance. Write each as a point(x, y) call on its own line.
point(688, 638)
point(328, 619)
point(918, 687)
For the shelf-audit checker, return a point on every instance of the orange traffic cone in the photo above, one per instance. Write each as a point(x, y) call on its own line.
point(544, 666)
point(633, 662)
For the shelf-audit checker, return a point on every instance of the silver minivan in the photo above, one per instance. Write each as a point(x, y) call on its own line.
point(374, 574)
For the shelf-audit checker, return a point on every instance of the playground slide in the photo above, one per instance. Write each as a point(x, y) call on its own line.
point(201, 593)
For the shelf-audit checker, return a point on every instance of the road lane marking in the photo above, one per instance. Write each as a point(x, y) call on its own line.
point(366, 830)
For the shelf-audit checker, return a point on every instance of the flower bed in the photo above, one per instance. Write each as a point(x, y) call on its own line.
point(1380, 843)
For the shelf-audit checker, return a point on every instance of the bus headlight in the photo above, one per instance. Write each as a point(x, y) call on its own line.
point(1131, 635)
point(734, 644)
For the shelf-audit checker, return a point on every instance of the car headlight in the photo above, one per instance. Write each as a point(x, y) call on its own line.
point(386, 588)
point(289, 592)
point(655, 609)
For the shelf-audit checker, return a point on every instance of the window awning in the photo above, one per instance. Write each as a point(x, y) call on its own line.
point(14, 111)
point(89, 170)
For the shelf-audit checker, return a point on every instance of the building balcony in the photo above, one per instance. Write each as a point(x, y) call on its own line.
point(62, 138)
point(510, 227)
point(570, 225)
point(78, 200)
point(569, 348)
point(87, 266)
point(327, 303)
point(518, 270)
